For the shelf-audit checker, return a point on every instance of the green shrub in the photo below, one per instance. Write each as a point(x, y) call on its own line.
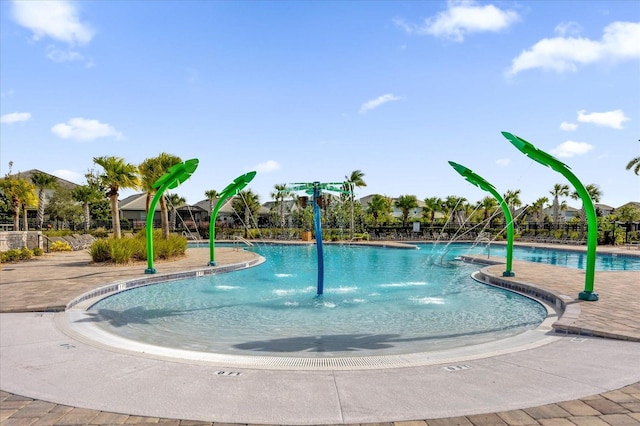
point(125, 250)
point(100, 233)
point(100, 250)
point(25, 254)
point(122, 250)
point(37, 251)
point(60, 246)
point(12, 255)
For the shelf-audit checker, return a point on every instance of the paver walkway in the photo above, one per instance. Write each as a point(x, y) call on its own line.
point(49, 283)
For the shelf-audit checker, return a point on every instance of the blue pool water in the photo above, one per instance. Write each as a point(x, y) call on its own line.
point(376, 301)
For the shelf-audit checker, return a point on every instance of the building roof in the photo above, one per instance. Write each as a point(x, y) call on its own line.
point(62, 182)
point(136, 202)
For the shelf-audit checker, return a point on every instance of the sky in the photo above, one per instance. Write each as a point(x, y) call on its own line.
point(304, 91)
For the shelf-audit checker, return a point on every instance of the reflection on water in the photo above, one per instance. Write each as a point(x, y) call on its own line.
point(376, 301)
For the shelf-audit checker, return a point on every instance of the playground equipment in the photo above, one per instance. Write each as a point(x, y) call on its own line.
point(478, 181)
point(232, 189)
point(592, 220)
point(315, 190)
point(176, 174)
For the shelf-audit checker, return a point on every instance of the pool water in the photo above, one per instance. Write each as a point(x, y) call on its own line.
point(376, 301)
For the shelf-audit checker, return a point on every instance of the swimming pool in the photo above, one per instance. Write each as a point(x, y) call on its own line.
point(377, 301)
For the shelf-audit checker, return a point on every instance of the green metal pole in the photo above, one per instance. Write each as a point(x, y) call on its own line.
point(212, 232)
point(232, 189)
point(592, 219)
point(150, 214)
point(480, 182)
point(172, 178)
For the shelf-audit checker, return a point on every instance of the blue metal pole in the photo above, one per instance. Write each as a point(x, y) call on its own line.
point(318, 226)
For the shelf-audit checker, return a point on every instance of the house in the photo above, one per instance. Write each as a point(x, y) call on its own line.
point(134, 209)
point(48, 193)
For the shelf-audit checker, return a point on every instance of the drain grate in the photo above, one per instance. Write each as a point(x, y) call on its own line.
point(457, 367)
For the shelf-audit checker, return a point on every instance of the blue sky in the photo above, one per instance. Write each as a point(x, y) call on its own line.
point(310, 91)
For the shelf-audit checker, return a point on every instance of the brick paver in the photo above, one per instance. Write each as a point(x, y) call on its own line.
point(49, 283)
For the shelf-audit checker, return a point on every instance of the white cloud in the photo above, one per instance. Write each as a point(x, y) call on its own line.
point(15, 117)
point(58, 55)
point(613, 119)
point(57, 19)
point(620, 41)
point(463, 17)
point(375, 103)
point(570, 148)
point(568, 28)
point(68, 175)
point(82, 129)
point(503, 162)
point(568, 127)
point(267, 166)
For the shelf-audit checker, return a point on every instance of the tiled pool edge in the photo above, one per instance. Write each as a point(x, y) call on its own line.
point(160, 278)
point(568, 307)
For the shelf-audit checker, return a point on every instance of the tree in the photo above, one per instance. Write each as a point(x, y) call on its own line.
point(62, 208)
point(488, 205)
point(211, 195)
point(634, 165)
point(595, 193)
point(559, 190)
point(100, 208)
point(406, 203)
point(247, 206)
point(353, 180)
point(86, 195)
point(22, 194)
point(432, 206)
point(512, 198)
point(42, 181)
point(454, 206)
point(279, 194)
point(538, 208)
point(175, 201)
point(152, 169)
point(379, 207)
point(117, 175)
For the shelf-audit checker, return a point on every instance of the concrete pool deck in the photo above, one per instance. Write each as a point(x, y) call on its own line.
point(48, 378)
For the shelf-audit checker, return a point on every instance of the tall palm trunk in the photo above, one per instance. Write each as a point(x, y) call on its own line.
point(164, 217)
point(16, 214)
point(115, 216)
point(25, 223)
point(40, 214)
point(87, 216)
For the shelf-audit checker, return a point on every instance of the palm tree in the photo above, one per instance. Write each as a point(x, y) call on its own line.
point(634, 164)
point(379, 206)
point(247, 205)
point(42, 181)
point(538, 208)
point(279, 194)
point(595, 193)
point(211, 195)
point(406, 203)
point(455, 206)
point(559, 190)
point(512, 198)
point(432, 206)
point(175, 201)
point(86, 195)
point(117, 175)
point(353, 180)
point(488, 205)
point(21, 193)
point(152, 169)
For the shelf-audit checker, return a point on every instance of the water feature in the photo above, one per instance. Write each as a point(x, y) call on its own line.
point(377, 301)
